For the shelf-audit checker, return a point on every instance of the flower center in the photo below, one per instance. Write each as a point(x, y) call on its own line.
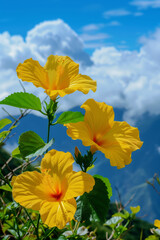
point(57, 196)
point(98, 140)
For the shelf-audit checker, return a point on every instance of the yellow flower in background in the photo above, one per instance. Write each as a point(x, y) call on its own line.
point(59, 76)
point(157, 223)
point(52, 192)
point(117, 140)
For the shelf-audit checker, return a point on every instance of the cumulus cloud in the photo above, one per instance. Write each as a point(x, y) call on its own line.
point(125, 79)
point(129, 79)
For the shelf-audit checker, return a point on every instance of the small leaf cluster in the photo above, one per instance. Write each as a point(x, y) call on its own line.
point(85, 161)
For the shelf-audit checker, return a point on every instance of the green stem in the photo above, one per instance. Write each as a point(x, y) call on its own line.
point(49, 233)
point(37, 227)
point(5, 180)
point(30, 218)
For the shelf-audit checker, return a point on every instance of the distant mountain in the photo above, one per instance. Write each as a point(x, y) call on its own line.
point(129, 180)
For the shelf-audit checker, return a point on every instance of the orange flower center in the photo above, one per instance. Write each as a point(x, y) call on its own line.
point(57, 196)
point(98, 140)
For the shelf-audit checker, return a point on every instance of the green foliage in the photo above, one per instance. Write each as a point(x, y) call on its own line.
point(152, 237)
point(107, 183)
point(85, 161)
point(31, 144)
point(42, 150)
point(93, 208)
point(6, 187)
point(23, 100)
point(16, 153)
point(4, 122)
point(70, 117)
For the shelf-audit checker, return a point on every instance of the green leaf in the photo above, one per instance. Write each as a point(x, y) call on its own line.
point(91, 207)
point(16, 153)
point(6, 188)
point(40, 151)
point(107, 183)
point(112, 222)
point(135, 210)
point(84, 209)
point(4, 134)
point(30, 237)
point(99, 204)
point(23, 100)
point(4, 122)
point(70, 117)
point(29, 143)
point(152, 237)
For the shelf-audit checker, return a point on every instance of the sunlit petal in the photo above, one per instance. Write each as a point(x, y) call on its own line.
point(59, 213)
point(79, 182)
point(26, 190)
point(57, 162)
point(32, 71)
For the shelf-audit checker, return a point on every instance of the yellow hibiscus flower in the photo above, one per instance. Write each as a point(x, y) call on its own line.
point(117, 140)
point(59, 76)
point(157, 223)
point(52, 192)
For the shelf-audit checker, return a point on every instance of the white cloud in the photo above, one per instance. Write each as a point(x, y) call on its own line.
point(125, 79)
point(116, 13)
point(92, 27)
point(129, 79)
point(144, 4)
point(114, 23)
point(92, 37)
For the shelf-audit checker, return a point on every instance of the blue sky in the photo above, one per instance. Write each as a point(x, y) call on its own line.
point(123, 21)
point(116, 43)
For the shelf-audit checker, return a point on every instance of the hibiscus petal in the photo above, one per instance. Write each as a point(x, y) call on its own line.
point(57, 162)
point(99, 116)
point(32, 71)
point(58, 213)
point(120, 142)
point(80, 131)
point(26, 190)
point(83, 83)
point(78, 183)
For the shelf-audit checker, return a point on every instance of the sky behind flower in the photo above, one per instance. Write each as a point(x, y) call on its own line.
point(116, 43)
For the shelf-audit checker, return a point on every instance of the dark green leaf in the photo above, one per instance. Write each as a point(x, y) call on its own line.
point(29, 143)
point(98, 199)
point(4, 122)
point(107, 183)
point(23, 100)
point(94, 205)
point(70, 117)
point(84, 209)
